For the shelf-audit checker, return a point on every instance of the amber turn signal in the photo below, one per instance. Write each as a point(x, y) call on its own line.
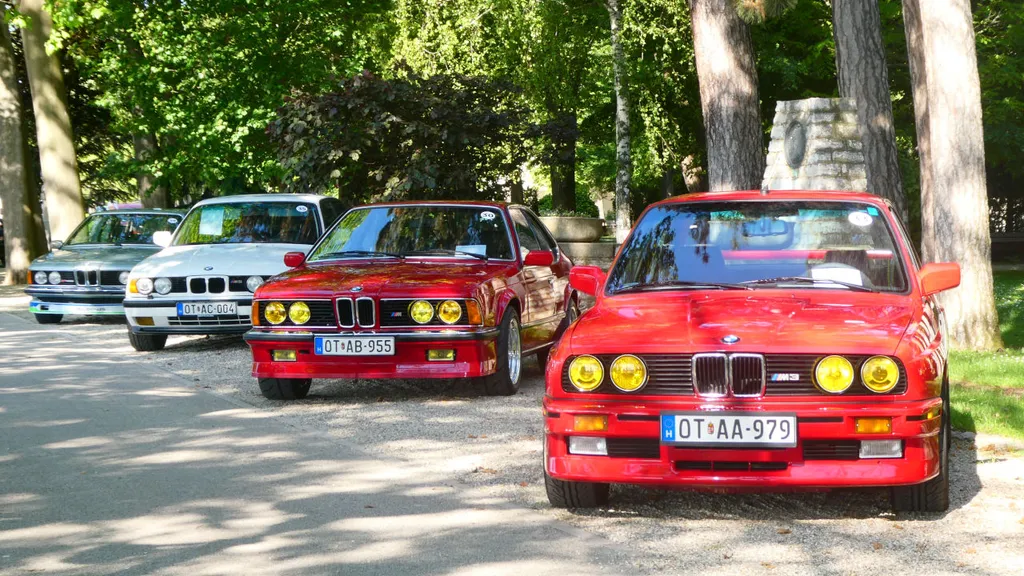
point(590, 423)
point(473, 312)
point(873, 425)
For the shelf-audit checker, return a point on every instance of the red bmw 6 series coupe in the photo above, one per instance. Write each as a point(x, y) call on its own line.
point(755, 340)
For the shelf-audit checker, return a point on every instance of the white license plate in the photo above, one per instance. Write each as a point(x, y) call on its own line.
point(354, 345)
point(207, 308)
point(729, 429)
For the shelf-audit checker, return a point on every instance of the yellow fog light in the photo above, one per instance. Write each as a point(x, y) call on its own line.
point(873, 425)
point(449, 311)
point(590, 423)
point(586, 373)
point(440, 355)
point(628, 373)
point(421, 311)
point(274, 313)
point(879, 374)
point(283, 355)
point(298, 312)
point(144, 320)
point(834, 374)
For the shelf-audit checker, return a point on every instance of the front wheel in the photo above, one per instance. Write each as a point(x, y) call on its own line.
point(567, 494)
point(147, 342)
point(505, 380)
point(933, 495)
point(285, 388)
point(48, 318)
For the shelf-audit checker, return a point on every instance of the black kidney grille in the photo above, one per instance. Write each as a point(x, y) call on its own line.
point(365, 308)
point(346, 313)
point(396, 312)
point(321, 313)
point(197, 285)
point(747, 374)
point(110, 278)
point(710, 374)
point(215, 285)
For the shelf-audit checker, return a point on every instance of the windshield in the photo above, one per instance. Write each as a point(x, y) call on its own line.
point(249, 222)
point(458, 231)
point(105, 228)
point(795, 244)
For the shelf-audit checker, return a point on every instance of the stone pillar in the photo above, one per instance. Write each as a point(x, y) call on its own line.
point(816, 145)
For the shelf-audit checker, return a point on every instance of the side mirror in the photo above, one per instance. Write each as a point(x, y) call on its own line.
point(162, 238)
point(935, 278)
point(294, 259)
point(56, 245)
point(587, 279)
point(539, 258)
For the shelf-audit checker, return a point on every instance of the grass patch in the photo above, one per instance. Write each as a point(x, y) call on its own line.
point(988, 387)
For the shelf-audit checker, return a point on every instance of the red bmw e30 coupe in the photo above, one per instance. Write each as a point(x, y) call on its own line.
point(414, 290)
point(755, 340)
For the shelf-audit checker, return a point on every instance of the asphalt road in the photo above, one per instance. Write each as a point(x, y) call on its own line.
point(109, 464)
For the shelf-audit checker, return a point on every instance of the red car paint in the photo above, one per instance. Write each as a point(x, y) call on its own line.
point(540, 294)
point(767, 321)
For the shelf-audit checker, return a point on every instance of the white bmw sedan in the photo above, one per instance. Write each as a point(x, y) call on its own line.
point(202, 282)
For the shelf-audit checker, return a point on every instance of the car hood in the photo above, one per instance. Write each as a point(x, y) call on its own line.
point(826, 321)
point(94, 258)
point(386, 279)
point(218, 260)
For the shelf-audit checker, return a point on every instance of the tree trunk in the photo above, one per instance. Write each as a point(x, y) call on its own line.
point(693, 175)
point(624, 165)
point(860, 61)
point(17, 194)
point(151, 194)
point(57, 160)
point(728, 94)
point(954, 200)
point(516, 190)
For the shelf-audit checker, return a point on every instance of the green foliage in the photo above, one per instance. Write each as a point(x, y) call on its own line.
point(446, 136)
point(585, 206)
point(759, 11)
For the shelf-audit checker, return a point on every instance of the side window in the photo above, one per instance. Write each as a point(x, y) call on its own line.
point(542, 234)
point(331, 209)
point(527, 239)
point(905, 236)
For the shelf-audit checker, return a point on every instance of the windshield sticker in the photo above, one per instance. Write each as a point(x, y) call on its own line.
point(301, 208)
point(480, 249)
point(172, 220)
point(861, 219)
point(487, 216)
point(872, 211)
point(211, 221)
point(838, 273)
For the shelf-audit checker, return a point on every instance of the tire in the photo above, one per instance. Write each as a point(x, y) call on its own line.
point(933, 495)
point(505, 380)
point(566, 494)
point(48, 318)
point(285, 388)
point(147, 342)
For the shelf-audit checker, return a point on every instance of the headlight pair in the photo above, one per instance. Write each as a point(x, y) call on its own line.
point(834, 374)
point(147, 286)
point(276, 313)
point(448, 311)
point(44, 277)
point(628, 373)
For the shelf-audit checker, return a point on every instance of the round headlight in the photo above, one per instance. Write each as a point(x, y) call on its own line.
point(144, 285)
point(299, 312)
point(40, 277)
point(253, 282)
point(628, 373)
point(123, 277)
point(880, 374)
point(586, 373)
point(54, 277)
point(834, 374)
point(162, 285)
point(449, 311)
point(421, 311)
point(274, 313)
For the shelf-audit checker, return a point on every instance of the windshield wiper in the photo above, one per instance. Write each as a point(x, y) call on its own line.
point(808, 280)
point(445, 251)
point(677, 284)
point(369, 253)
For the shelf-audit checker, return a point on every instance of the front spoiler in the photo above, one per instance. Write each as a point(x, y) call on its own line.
point(67, 308)
point(269, 336)
point(188, 330)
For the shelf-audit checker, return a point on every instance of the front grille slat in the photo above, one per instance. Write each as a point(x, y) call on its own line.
point(633, 448)
point(831, 449)
point(747, 374)
point(711, 375)
point(346, 313)
point(366, 312)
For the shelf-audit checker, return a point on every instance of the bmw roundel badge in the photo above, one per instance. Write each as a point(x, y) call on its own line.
point(730, 339)
point(208, 268)
point(357, 289)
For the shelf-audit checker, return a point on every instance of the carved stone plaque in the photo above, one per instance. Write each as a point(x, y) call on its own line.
point(795, 144)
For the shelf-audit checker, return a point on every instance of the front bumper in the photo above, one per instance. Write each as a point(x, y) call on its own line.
point(475, 355)
point(85, 301)
point(160, 316)
point(645, 461)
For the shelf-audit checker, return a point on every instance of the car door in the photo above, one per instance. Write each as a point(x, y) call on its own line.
point(543, 304)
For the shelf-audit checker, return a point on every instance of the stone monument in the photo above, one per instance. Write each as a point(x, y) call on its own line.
point(816, 145)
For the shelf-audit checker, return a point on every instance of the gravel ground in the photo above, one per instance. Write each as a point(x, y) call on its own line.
point(492, 446)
